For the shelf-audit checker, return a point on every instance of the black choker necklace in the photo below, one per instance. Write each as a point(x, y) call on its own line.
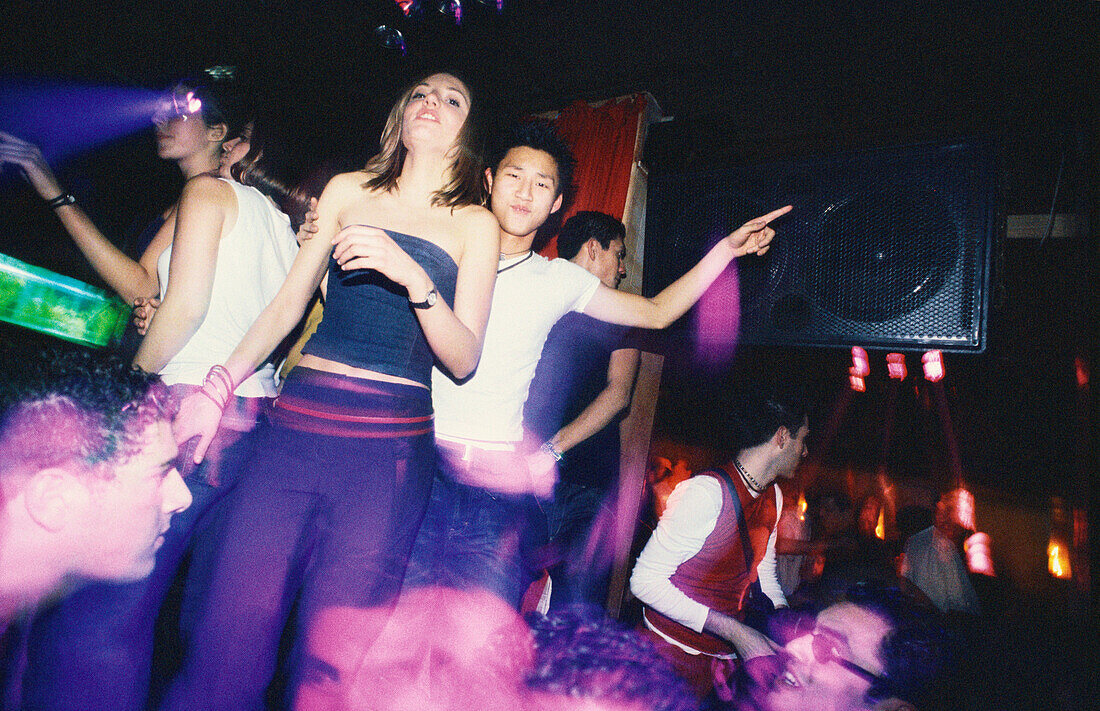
point(508, 255)
point(748, 479)
point(515, 264)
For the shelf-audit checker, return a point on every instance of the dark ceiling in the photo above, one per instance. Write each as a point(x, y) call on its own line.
point(744, 81)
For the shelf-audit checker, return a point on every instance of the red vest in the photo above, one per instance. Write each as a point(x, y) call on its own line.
point(716, 575)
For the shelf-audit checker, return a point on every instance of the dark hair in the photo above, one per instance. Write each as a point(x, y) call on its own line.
point(542, 136)
point(226, 98)
point(761, 409)
point(586, 225)
point(466, 185)
point(74, 407)
point(915, 654)
point(819, 495)
point(912, 519)
point(581, 653)
point(275, 168)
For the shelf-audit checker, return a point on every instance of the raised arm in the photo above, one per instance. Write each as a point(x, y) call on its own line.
point(613, 306)
point(455, 336)
point(129, 278)
point(207, 208)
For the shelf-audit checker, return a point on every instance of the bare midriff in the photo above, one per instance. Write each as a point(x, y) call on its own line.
point(333, 366)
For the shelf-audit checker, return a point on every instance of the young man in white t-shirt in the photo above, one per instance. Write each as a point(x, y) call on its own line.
point(485, 511)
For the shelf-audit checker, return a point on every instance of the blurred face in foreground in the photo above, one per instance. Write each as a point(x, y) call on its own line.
point(822, 666)
point(437, 650)
point(122, 520)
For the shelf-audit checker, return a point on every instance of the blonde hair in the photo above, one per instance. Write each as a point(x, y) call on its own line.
point(466, 185)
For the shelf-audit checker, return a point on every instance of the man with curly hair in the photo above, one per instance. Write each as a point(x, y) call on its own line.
point(88, 482)
point(584, 660)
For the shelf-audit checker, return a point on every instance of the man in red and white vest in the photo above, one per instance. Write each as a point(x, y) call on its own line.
point(694, 572)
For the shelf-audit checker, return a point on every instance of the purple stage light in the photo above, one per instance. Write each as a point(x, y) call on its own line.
point(174, 104)
point(64, 119)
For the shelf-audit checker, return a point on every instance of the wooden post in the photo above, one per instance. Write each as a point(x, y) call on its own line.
point(636, 431)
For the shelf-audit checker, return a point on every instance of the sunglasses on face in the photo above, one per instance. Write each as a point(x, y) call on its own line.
point(826, 648)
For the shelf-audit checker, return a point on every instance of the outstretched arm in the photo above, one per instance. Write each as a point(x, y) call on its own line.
point(748, 642)
point(129, 278)
point(207, 206)
point(613, 306)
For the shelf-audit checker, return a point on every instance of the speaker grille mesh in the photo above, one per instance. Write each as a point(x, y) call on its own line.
point(883, 249)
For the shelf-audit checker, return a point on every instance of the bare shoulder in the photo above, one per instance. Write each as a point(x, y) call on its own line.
point(475, 222)
point(346, 185)
point(207, 188)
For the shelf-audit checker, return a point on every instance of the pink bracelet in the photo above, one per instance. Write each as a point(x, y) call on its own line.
point(220, 405)
point(221, 372)
point(219, 380)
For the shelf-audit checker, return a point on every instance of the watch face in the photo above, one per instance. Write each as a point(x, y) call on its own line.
point(428, 301)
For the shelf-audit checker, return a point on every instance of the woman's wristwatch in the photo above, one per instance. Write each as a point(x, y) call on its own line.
point(428, 302)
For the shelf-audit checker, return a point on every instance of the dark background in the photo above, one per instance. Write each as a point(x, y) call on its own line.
point(742, 83)
point(739, 83)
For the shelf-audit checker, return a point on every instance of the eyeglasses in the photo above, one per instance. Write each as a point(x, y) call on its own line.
point(826, 648)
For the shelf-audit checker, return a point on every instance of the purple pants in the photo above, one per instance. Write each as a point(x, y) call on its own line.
point(324, 514)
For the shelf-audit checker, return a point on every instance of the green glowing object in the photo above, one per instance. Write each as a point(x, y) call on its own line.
point(61, 306)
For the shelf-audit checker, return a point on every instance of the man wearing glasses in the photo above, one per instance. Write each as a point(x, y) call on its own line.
point(875, 651)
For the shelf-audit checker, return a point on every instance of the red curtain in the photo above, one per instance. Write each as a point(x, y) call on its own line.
point(602, 138)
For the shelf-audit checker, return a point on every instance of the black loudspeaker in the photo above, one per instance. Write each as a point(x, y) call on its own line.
point(886, 249)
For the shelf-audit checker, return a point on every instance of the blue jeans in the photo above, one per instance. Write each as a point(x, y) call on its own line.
point(473, 537)
point(94, 649)
point(579, 558)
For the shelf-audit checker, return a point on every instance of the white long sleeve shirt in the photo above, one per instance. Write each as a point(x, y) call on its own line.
point(691, 515)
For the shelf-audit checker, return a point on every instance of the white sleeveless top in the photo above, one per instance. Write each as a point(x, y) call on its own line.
point(253, 261)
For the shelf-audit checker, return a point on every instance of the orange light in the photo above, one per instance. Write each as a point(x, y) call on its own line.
point(861, 364)
point(802, 507)
point(880, 527)
point(895, 366)
point(964, 509)
point(1058, 559)
point(856, 382)
point(1081, 369)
